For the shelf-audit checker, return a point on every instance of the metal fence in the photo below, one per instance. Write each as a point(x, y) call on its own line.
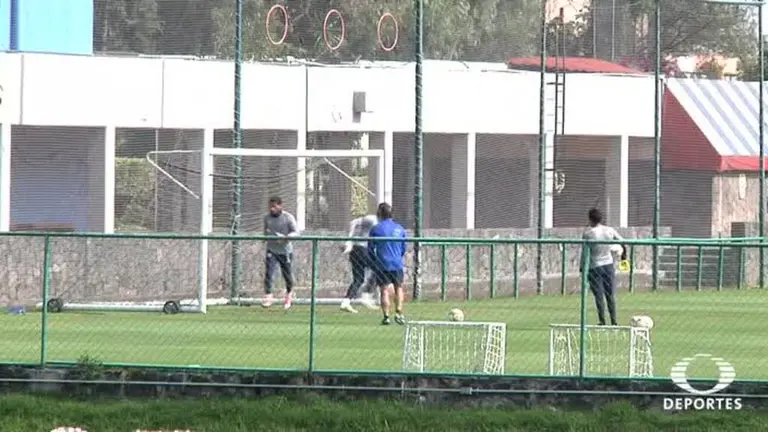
point(705, 57)
point(709, 308)
point(699, 173)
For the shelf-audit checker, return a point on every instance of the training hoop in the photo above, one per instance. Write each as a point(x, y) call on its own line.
point(392, 46)
point(281, 8)
point(328, 16)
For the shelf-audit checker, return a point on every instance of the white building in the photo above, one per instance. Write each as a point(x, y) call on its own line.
point(62, 115)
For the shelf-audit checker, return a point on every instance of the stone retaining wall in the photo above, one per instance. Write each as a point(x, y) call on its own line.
point(125, 269)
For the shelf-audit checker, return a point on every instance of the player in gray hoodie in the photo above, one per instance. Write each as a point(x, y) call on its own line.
point(278, 222)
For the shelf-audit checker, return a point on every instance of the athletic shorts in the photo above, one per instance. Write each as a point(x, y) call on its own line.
point(384, 277)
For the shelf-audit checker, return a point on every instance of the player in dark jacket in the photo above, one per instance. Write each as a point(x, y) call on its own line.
point(387, 262)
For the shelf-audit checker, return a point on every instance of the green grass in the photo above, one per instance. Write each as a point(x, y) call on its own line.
point(727, 324)
point(314, 413)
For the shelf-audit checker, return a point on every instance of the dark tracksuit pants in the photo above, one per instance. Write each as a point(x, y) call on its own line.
point(601, 283)
point(285, 262)
point(358, 260)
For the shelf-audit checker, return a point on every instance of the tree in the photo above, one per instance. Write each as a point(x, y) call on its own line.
point(126, 25)
point(481, 30)
point(625, 33)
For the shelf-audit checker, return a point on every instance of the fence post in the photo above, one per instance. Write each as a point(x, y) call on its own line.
point(492, 265)
point(313, 305)
point(46, 297)
point(583, 319)
point(468, 260)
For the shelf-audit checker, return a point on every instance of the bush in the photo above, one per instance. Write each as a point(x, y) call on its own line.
point(135, 182)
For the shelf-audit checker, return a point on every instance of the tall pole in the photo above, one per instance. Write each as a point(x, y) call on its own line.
point(761, 128)
point(418, 150)
point(237, 161)
point(542, 147)
point(657, 141)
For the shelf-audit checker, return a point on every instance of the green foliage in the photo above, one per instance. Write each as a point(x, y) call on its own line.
point(466, 30)
point(305, 413)
point(88, 367)
point(134, 194)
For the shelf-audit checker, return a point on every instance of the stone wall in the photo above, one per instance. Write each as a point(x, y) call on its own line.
point(751, 276)
point(136, 269)
point(94, 382)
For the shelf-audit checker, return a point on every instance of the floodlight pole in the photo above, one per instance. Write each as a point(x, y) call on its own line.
point(542, 148)
point(418, 148)
point(761, 127)
point(656, 142)
point(237, 162)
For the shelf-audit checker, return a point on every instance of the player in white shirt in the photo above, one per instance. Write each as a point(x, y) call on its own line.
point(602, 272)
point(362, 275)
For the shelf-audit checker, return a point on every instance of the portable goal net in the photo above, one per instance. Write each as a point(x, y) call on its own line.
point(455, 347)
point(609, 351)
point(324, 189)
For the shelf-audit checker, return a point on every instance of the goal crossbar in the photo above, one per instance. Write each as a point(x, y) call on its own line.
point(206, 217)
point(205, 196)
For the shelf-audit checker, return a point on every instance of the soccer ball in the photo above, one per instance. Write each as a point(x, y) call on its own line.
point(456, 315)
point(642, 321)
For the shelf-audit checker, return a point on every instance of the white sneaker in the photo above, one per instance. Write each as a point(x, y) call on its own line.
point(346, 306)
point(367, 300)
point(267, 300)
point(288, 302)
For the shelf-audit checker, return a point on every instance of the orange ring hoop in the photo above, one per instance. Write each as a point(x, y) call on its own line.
point(378, 32)
point(325, 29)
point(282, 9)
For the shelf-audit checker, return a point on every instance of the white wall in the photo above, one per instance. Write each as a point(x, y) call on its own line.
point(57, 177)
point(47, 89)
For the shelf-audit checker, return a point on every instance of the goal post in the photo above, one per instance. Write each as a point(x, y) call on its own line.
point(194, 196)
point(609, 351)
point(306, 172)
point(455, 347)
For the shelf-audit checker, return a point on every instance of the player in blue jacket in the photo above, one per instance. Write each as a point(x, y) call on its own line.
point(387, 262)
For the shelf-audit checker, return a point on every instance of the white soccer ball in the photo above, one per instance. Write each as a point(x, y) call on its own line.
point(642, 321)
point(456, 315)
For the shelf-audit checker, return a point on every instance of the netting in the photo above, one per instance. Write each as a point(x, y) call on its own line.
point(167, 27)
point(710, 56)
point(608, 351)
point(454, 347)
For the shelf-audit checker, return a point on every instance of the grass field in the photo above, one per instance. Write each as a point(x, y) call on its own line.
point(727, 324)
point(25, 414)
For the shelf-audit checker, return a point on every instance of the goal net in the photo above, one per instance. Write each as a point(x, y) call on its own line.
point(323, 189)
point(610, 351)
point(455, 347)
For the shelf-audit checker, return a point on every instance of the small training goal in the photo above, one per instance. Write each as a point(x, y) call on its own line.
point(455, 347)
point(609, 351)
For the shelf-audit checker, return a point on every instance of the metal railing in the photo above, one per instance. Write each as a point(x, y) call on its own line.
point(703, 305)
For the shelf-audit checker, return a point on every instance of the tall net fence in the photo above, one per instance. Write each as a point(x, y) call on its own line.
point(486, 56)
point(710, 56)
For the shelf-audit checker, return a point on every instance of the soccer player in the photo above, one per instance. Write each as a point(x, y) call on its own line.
point(387, 262)
point(278, 222)
point(362, 276)
point(602, 272)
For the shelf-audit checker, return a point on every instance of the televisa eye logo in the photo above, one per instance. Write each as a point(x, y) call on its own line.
point(703, 399)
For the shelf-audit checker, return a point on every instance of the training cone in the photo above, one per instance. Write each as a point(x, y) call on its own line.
point(624, 266)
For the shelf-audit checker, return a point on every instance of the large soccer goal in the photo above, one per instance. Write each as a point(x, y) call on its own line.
point(610, 351)
point(324, 189)
point(455, 347)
